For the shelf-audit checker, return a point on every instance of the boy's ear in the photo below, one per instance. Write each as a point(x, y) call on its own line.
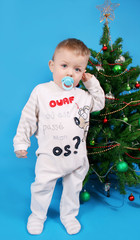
point(51, 65)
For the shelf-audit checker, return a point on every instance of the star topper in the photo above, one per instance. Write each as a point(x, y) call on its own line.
point(107, 10)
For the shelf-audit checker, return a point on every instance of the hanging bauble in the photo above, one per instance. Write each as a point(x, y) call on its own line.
point(95, 113)
point(84, 196)
point(121, 59)
point(109, 97)
point(131, 197)
point(120, 50)
point(117, 68)
point(125, 119)
point(105, 120)
point(92, 142)
point(104, 48)
point(107, 186)
point(99, 68)
point(128, 88)
point(122, 166)
point(137, 85)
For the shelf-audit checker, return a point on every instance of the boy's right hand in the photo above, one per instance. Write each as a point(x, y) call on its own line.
point(21, 154)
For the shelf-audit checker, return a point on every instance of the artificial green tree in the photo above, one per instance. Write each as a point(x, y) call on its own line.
point(113, 141)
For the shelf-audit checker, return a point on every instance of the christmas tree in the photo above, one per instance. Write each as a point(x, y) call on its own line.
point(113, 141)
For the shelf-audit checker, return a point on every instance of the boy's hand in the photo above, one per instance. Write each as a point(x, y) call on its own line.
point(21, 154)
point(86, 77)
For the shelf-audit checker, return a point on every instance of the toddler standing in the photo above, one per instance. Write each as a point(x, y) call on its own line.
point(58, 112)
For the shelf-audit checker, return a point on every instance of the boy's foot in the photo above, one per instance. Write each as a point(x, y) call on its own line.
point(72, 226)
point(35, 225)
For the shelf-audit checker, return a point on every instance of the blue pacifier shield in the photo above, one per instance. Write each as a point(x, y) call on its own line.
point(67, 83)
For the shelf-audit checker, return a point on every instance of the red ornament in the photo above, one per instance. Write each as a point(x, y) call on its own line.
point(105, 120)
point(131, 197)
point(137, 85)
point(104, 48)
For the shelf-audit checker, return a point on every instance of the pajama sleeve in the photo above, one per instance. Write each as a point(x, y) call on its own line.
point(97, 94)
point(28, 123)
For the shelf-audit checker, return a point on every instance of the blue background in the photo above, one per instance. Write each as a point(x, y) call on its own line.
point(29, 33)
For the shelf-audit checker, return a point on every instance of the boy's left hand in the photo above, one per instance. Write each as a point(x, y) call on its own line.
point(86, 77)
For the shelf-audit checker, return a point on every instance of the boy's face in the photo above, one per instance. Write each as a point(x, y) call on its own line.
point(67, 63)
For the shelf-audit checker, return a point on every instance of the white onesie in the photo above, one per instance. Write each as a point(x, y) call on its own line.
point(60, 121)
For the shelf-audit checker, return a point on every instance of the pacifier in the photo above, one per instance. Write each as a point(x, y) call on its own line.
point(67, 83)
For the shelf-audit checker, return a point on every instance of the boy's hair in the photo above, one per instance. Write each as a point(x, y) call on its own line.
point(75, 45)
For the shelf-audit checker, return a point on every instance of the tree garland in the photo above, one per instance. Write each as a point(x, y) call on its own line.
point(119, 109)
point(110, 64)
point(122, 102)
point(110, 148)
point(118, 75)
point(131, 156)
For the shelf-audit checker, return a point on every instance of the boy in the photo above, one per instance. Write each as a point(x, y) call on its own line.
point(58, 113)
